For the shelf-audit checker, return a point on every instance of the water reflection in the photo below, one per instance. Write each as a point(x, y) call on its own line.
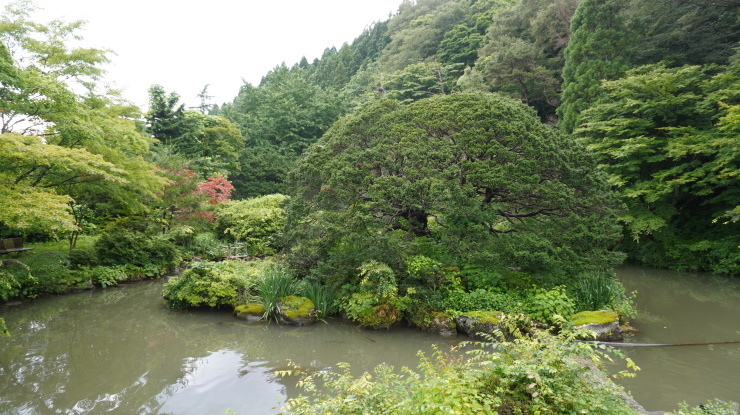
point(122, 351)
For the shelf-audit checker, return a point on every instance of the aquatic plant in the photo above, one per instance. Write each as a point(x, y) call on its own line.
point(323, 297)
point(594, 292)
point(276, 282)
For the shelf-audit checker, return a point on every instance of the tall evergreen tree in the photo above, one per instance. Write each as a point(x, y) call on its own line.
point(598, 50)
point(165, 117)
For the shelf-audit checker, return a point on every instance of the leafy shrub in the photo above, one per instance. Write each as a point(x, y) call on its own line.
point(275, 283)
point(120, 247)
point(376, 303)
point(549, 374)
point(378, 279)
point(181, 235)
point(16, 280)
point(204, 245)
point(459, 301)
point(365, 309)
point(477, 278)
point(257, 221)
point(104, 276)
point(538, 375)
point(212, 284)
point(81, 258)
point(58, 279)
point(545, 305)
point(431, 273)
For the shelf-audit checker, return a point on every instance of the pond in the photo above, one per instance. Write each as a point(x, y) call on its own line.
point(123, 351)
point(679, 307)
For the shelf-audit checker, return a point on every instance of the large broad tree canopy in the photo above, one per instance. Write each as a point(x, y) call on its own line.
point(62, 141)
point(475, 177)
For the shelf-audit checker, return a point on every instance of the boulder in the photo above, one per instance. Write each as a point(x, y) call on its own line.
point(296, 311)
point(478, 324)
point(442, 323)
point(604, 324)
point(250, 312)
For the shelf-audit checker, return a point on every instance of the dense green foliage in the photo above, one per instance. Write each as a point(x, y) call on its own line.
point(58, 145)
point(543, 374)
point(668, 138)
point(599, 49)
point(275, 283)
point(257, 222)
point(212, 284)
point(152, 254)
point(279, 118)
point(414, 187)
point(469, 178)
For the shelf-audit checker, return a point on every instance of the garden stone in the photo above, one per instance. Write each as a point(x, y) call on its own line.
point(296, 311)
point(604, 324)
point(250, 312)
point(442, 324)
point(478, 324)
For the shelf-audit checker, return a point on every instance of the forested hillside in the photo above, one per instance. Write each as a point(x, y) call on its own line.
point(650, 88)
point(665, 128)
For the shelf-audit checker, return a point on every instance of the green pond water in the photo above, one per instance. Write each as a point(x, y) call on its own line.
point(683, 308)
point(123, 351)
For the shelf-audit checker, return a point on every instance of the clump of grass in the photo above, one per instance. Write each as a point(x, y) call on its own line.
point(595, 292)
point(275, 284)
point(324, 299)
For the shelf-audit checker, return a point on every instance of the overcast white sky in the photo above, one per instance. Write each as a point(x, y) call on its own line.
point(184, 45)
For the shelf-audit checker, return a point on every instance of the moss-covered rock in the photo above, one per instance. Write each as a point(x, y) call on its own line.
point(603, 323)
point(437, 322)
point(382, 316)
point(478, 324)
point(250, 311)
point(594, 317)
point(296, 311)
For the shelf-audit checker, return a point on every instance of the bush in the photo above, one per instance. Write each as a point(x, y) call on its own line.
point(546, 305)
point(258, 222)
point(121, 247)
point(181, 235)
point(477, 278)
point(212, 284)
point(376, 303)
point(713, 407)
point(459, 301)
point(429, 272)
point(365, 309)
point(79, 258)
point(203, 245)
point(543, 374)
point(104, 276)
point(16, 280)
